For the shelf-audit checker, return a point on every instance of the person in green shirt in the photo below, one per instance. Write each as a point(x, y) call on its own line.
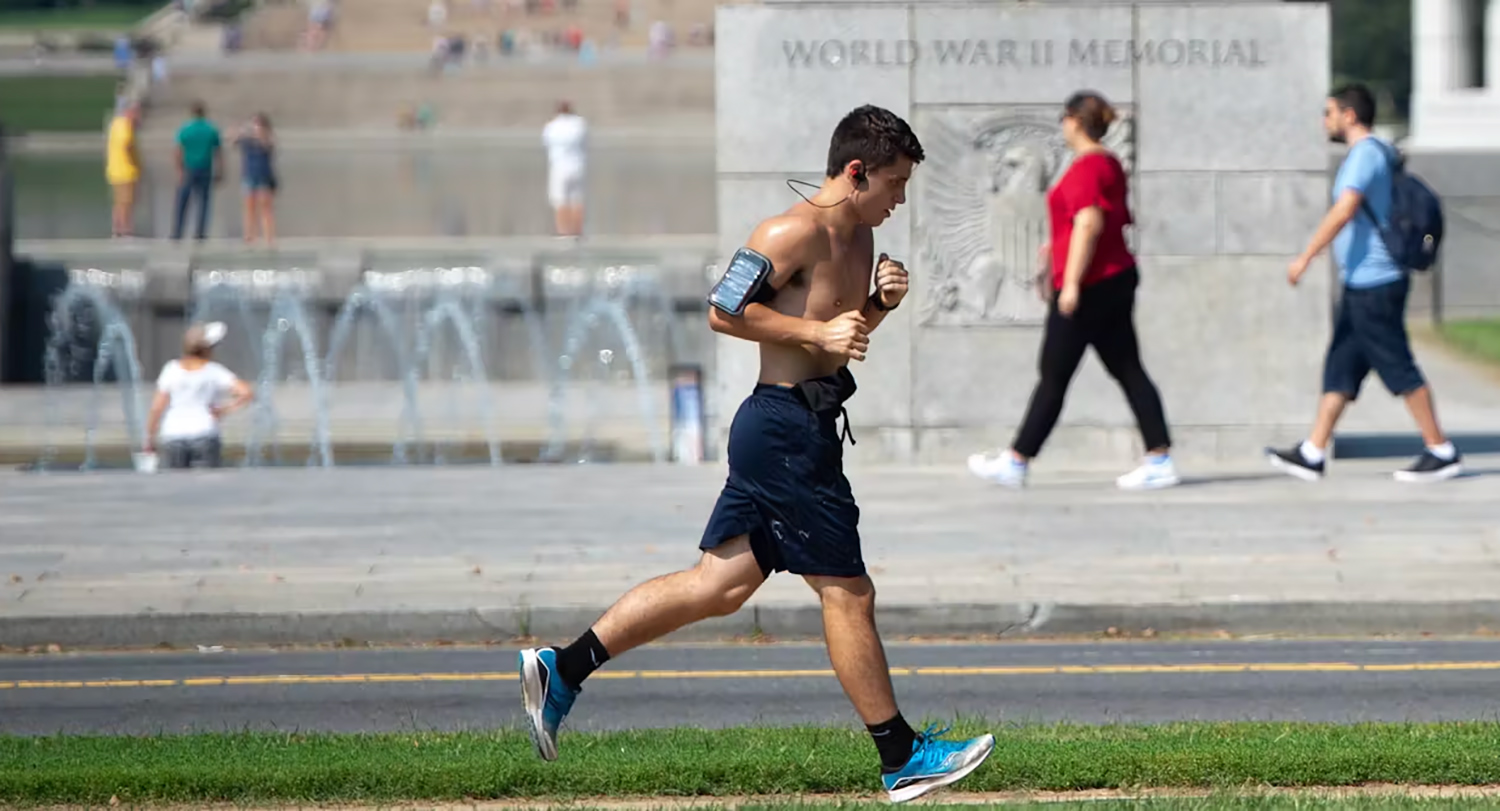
point(200, 165)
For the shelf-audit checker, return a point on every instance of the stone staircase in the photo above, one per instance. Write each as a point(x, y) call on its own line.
point(375, 69)
point(390, 26)
point(671, 93)
point(275, 26)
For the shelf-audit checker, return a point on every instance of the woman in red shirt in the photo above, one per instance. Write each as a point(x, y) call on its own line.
point(1091, 301)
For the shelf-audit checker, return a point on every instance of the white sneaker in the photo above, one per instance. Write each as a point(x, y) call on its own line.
point(1001, 468)
point(1153, 475)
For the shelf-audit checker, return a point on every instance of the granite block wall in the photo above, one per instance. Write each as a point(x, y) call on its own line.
point(1222, 135)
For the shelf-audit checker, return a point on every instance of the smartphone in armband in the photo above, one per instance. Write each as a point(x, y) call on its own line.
point(741, 282)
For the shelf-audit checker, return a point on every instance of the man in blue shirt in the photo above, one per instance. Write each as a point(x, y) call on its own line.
point(1370, 330)
point(124, 52)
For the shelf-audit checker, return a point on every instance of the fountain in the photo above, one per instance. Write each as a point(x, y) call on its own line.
point(365, 298)
point(447, 310)
point(115, 348)
point(211, 293)
point(457, 298)
point(435, 325)
point(288, 315)
point(285, 293)
point(601, 298)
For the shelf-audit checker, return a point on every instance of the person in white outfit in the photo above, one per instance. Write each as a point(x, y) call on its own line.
point(566, 140)
point(191, 400)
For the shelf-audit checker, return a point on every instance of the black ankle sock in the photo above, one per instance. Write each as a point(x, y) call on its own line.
point(579, 660)
point(894, 739)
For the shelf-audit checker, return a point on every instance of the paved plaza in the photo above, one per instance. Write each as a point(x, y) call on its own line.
point(479, 553)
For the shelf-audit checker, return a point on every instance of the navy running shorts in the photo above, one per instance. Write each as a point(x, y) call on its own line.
point(786, 486)
point(1369, 334)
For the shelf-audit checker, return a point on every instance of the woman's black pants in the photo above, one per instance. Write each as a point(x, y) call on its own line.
point(1104, 320)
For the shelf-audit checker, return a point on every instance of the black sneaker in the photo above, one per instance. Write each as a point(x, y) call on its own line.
point(1429, 468)
point(1293, 463)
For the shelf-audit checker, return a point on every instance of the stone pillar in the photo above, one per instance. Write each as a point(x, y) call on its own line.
point(1440, 57)
point(1492, 47)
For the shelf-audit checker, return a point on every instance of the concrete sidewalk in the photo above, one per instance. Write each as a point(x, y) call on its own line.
point(418, 554)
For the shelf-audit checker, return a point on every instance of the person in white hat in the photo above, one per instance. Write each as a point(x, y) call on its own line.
point(190, 401)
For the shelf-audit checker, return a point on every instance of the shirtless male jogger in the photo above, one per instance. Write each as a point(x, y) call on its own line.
point(787, 505)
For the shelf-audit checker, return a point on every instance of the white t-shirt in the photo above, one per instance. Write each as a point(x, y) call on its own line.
point(566, 139)
point(193, 393)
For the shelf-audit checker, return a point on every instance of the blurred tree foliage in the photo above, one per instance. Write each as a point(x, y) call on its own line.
point(45, 5)
point(1372, 44)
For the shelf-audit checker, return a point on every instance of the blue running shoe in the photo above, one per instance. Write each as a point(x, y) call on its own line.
point(935, 763)
point(547, 698)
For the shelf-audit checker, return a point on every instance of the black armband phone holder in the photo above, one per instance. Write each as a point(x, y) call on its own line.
point(743, 282)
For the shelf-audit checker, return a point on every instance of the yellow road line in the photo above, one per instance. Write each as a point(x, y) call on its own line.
point(1033, 670)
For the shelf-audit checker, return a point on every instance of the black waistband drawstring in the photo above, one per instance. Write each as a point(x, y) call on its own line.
point(846, 434)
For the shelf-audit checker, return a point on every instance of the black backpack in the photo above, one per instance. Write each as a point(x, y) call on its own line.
point(1416, 228)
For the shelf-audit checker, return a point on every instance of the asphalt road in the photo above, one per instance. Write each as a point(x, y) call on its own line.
point(450, 689)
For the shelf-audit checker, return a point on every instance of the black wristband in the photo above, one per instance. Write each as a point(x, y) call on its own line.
point(880, 305)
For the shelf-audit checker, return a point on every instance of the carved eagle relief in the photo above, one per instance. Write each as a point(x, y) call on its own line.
point(981, 213)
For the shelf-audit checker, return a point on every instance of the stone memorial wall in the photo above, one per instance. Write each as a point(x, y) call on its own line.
point(1223, 137)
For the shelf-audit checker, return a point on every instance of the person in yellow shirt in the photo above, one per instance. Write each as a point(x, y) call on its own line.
point(122, 168)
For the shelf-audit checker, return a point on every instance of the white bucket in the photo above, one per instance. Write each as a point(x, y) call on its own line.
point(144, 462)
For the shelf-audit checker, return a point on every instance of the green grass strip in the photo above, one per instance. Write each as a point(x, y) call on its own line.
point(1480, 338)
point(94, 18)
point(42, 103)
point(748, 761)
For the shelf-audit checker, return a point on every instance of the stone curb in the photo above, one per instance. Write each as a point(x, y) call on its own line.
point(776, 622)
